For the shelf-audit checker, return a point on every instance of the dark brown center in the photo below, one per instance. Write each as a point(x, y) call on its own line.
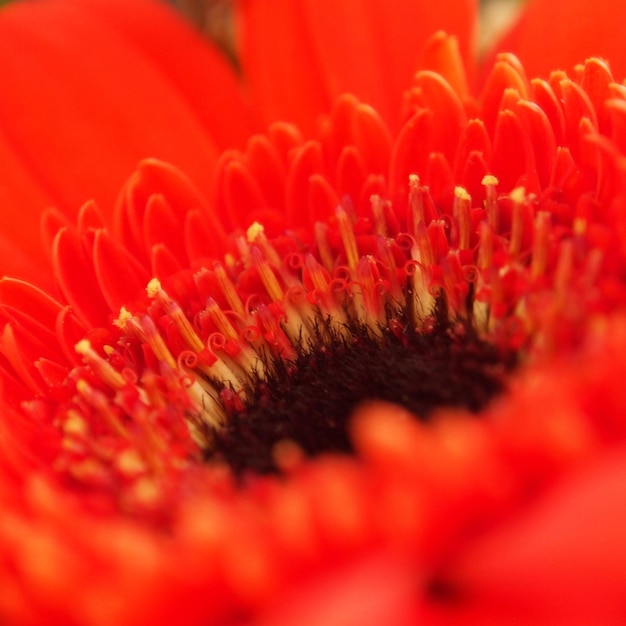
point(309, 400)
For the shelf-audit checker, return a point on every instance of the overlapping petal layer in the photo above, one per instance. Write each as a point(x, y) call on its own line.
point(510, 209)
point(78, 116)
point(298, 57)
point(557, 35)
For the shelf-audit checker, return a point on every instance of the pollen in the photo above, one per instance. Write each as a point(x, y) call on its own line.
point(254, 231)
point(153, 288)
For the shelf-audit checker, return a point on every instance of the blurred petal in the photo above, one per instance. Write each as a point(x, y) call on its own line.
point(370, 48)
point(22, 199)
point(564, 560)
point(83, 102)
point(557, 35)
point(198, 71)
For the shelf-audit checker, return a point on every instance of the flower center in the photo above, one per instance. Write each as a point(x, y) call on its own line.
point(309, 400)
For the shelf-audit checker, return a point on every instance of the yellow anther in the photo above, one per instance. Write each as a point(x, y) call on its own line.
point(153, 288)
point(173, 309)
point(83, 346)
point(462, 207)
point(491, 200)
point(461, 194)
point(123, 318)
point(254, 231)
point(256, 235)
point(518, 195)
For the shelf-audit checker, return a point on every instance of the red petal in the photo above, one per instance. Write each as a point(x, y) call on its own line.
point(370, 48)
point(201, 241)
point(121, 278)
point(373, 590)
point(512, 151)
point(279, 63)
point(564, 559)
point(201, 75)
point(350, 174)
point(22, 198)
point(541, 137)
point(596, 81)
point(266, 166)
point(151, 178)
point(82, 104)
point(75, 275)
point(545, 97)
point(29, 300)
point(322, 198)
point(449, 117)
point(411, 152)
point(306, 163)
point(161, 226)
point(557, 35)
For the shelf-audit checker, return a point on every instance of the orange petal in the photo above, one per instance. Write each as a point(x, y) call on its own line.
point(554, 35)
point(201, 75)
point(563, 561)
point(22, 198)
point(82, 102)
point(281, 70)
point(75, 275)
point(120, 276)
point(370, 48)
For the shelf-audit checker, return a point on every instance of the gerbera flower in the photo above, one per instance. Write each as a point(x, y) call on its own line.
point(347, 348)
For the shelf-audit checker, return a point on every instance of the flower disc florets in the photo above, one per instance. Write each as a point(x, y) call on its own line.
point(478, 236)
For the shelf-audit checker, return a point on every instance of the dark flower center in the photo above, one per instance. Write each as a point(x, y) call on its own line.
point(309, 400)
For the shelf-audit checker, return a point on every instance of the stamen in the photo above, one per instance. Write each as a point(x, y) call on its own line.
point(541, 244)
point(378, 210)
point(461, 211)
point(102, 404)
point(416, 202)
point(323, 247)
point(518, 197)
point(172, 308)
point(229, 290)
point(347, 237)
point(491, 201)
point(268, 278)
point(101, 367)
point(256, 235)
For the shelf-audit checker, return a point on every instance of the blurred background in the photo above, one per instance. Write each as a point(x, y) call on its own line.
point(214, 19)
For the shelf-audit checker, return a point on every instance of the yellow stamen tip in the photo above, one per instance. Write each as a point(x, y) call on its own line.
point(123, 318)
point(518, 195)
point(83, 346)
point(461, 194)
point(254, 231)
point(490, 180)
point(153, 288)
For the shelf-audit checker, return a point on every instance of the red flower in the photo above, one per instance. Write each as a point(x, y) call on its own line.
point(183, 438)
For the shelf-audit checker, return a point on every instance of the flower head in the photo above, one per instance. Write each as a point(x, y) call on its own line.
point(368, 373)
